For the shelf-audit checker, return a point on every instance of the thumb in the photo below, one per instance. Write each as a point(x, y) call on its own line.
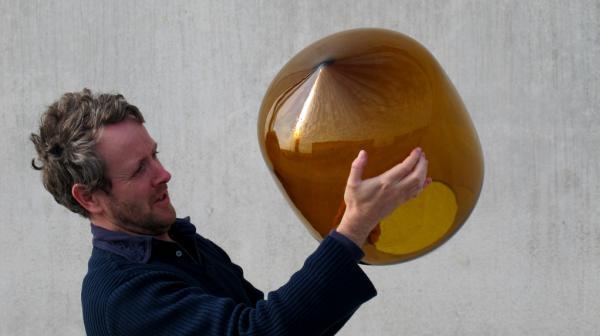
point(358, 165)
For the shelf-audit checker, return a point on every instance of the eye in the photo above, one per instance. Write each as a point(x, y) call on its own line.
point(140, 168)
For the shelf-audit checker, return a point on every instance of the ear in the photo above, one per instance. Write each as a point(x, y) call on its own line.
point(88, 200)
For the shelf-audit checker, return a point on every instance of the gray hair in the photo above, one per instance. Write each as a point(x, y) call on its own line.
point(66, 143)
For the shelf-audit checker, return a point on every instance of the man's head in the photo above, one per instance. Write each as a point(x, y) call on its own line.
point(98, 160)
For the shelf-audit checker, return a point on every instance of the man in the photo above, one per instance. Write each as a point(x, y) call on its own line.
point(150, 273)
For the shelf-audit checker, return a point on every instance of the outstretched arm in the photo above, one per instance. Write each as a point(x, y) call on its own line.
point(317, 300)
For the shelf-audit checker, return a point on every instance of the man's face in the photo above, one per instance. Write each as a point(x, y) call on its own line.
point(138, 201)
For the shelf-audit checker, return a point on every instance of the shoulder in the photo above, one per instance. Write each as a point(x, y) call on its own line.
point(106, 272)
point(109, 274)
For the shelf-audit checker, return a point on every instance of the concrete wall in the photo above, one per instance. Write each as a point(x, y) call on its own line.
point(527, 262)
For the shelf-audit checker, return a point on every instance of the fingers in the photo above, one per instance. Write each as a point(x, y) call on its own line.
point(420, 171)
point(427, 182)
point(402, 169)
point(358, 166)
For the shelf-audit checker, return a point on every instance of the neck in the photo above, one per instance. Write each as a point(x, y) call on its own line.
point(107, 225)
point(165, 236)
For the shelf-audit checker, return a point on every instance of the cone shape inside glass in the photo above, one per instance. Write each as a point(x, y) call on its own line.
point(383, 92)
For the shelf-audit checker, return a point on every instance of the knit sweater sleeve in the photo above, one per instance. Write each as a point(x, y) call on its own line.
point(317, 300)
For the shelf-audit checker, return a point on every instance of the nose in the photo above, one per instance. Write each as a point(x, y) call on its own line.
point(162, 175)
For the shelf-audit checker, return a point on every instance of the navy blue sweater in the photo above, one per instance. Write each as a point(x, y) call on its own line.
point(139, 285)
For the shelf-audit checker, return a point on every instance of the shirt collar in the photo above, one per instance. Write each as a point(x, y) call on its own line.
point(137, 248)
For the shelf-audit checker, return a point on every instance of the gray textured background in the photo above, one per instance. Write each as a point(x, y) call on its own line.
point(527, 262)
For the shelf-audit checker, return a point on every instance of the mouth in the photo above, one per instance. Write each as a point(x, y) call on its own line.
point(163, 198)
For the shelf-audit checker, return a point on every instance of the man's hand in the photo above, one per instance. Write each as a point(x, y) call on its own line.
point(369, 201)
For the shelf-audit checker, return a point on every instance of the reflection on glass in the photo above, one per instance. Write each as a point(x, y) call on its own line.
point(383, 92)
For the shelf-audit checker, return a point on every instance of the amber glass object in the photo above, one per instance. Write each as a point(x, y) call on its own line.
point(383, 92)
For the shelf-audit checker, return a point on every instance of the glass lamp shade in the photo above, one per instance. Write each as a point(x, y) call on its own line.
point(383, 92)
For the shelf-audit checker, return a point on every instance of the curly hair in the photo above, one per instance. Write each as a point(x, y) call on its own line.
point(66, 143)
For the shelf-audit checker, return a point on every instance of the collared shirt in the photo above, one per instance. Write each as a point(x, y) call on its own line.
point(139, 248)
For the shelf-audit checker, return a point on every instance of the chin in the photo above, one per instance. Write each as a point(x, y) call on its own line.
point(170, 217)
